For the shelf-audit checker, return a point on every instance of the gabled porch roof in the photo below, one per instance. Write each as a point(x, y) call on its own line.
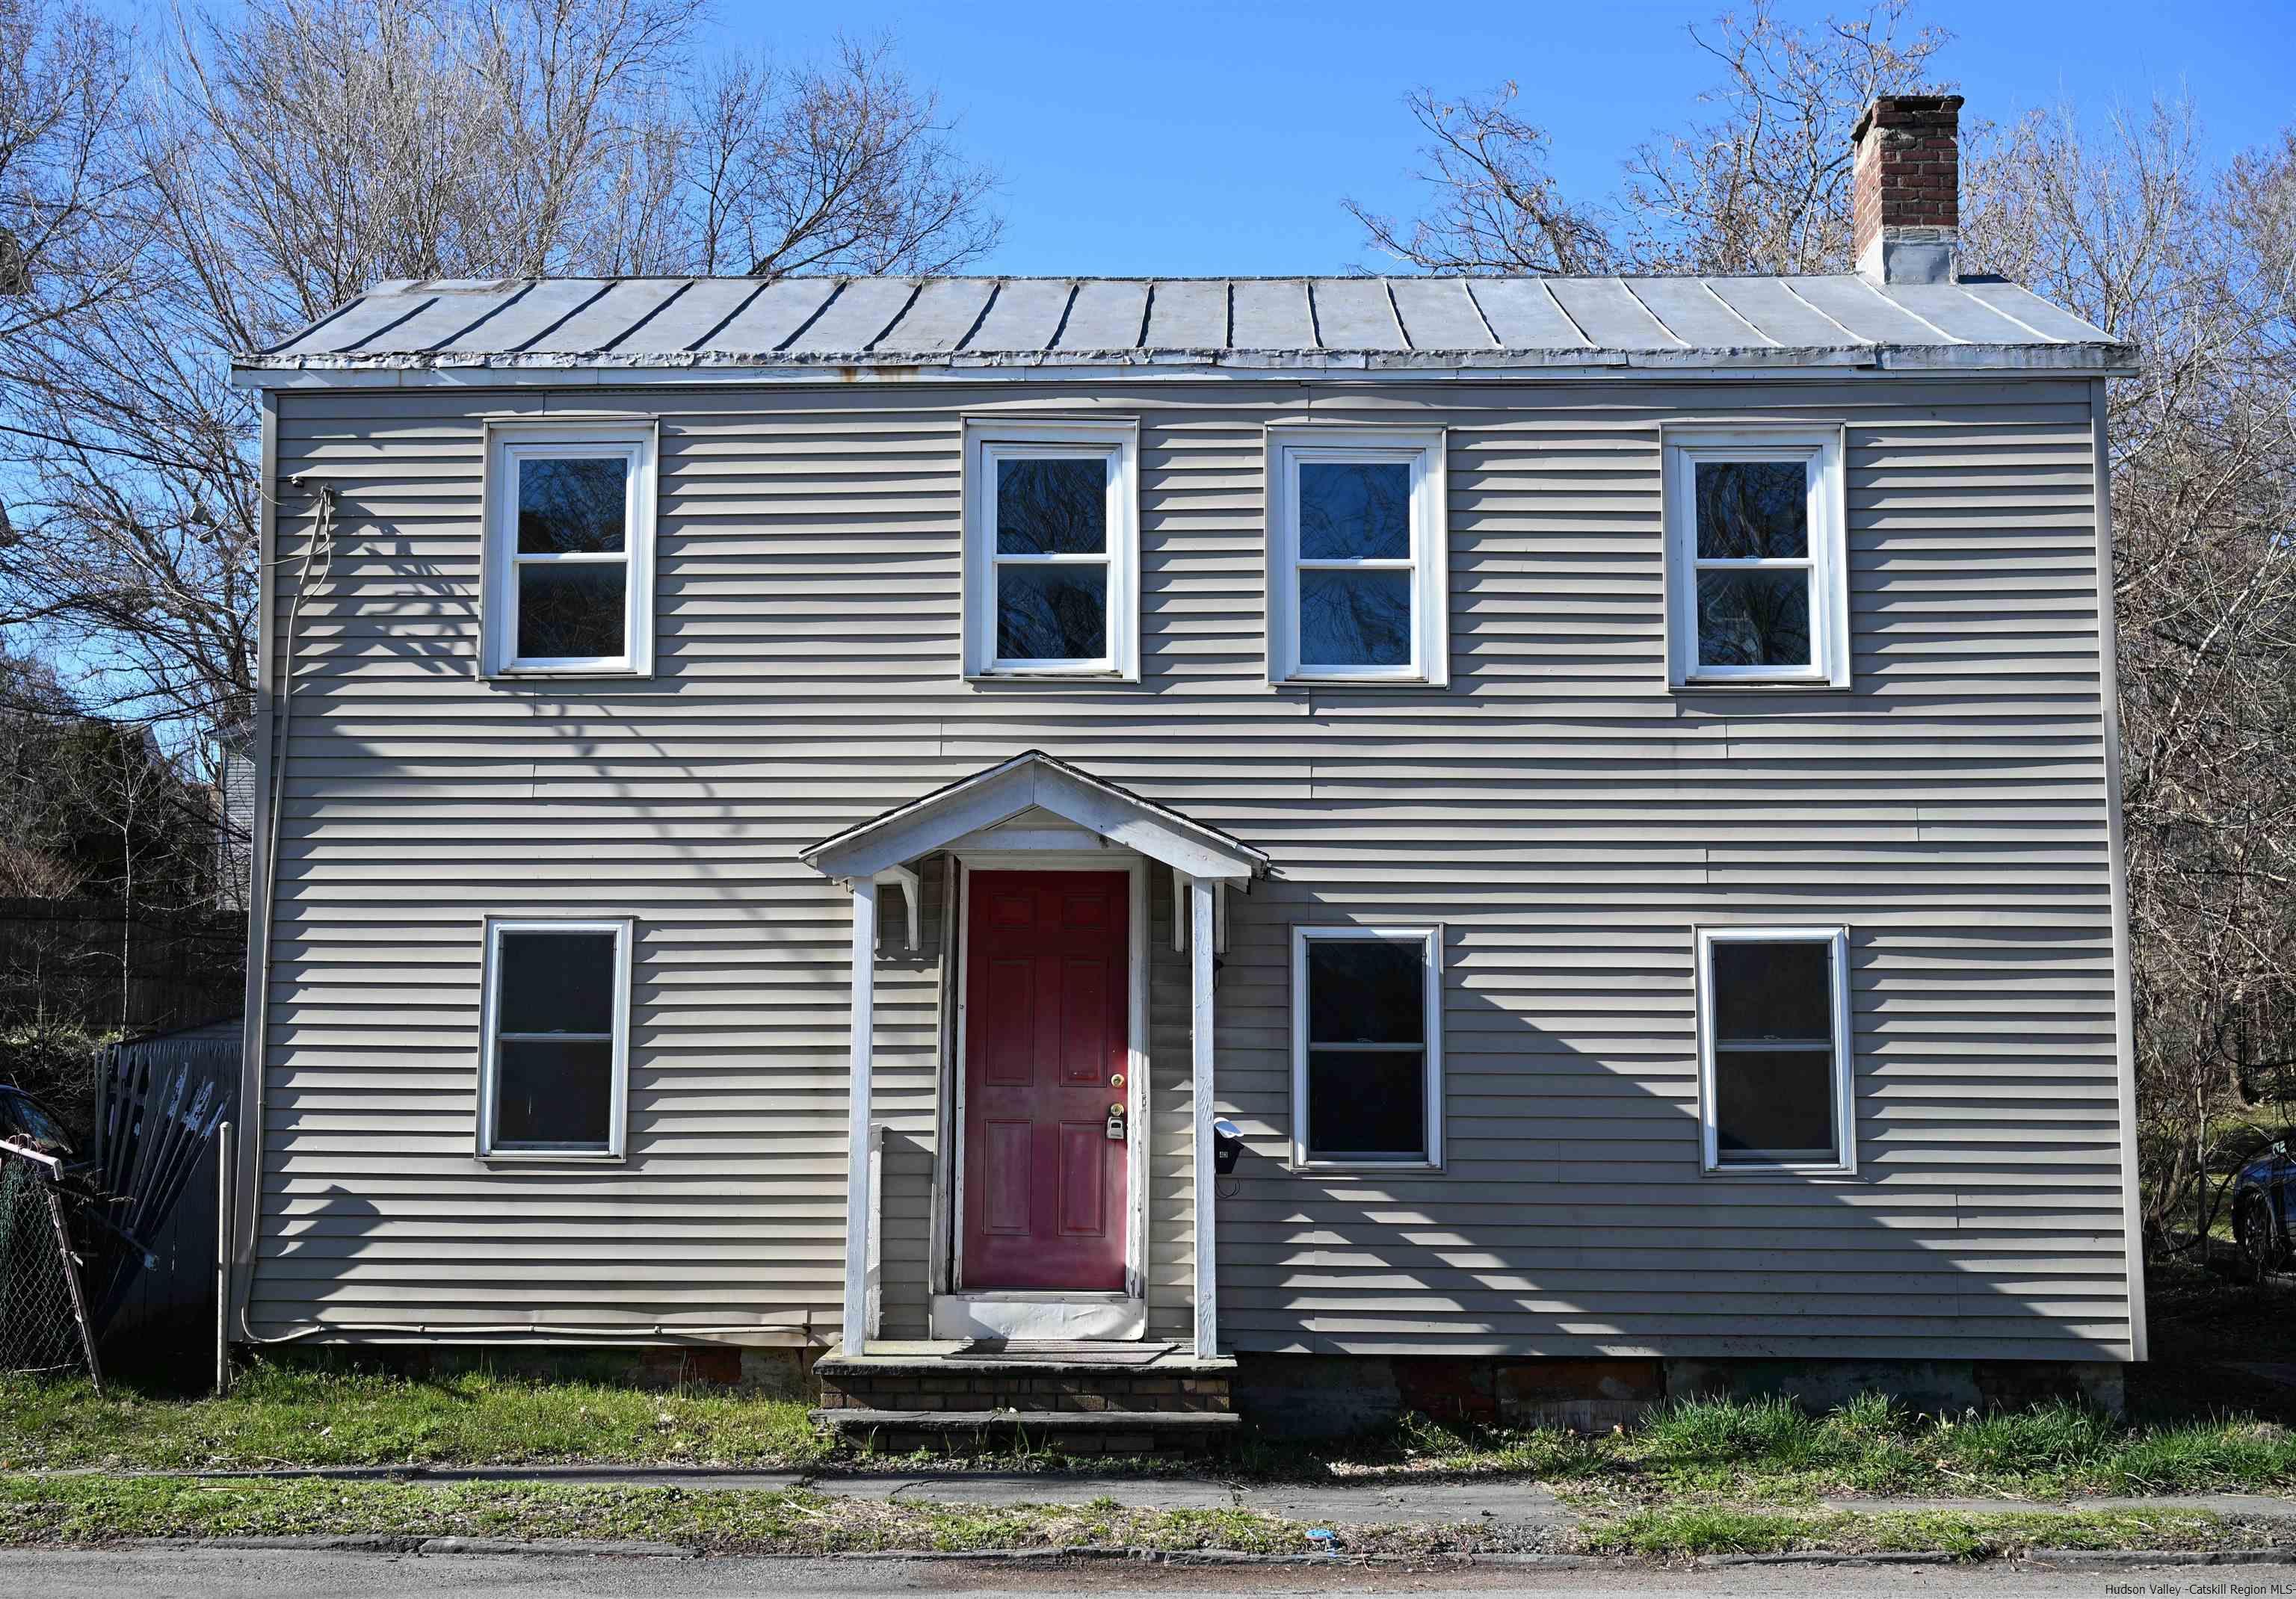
point(1034, 779)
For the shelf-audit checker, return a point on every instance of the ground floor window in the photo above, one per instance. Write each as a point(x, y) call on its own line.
point(1774, 1048)
point(555, 1059)
point(1366, 1045)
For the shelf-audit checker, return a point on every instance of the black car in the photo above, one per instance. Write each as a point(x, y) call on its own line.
point(2261, 1191)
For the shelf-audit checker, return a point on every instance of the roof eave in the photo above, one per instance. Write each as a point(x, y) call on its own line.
point(1030, 779)
point(266, 371)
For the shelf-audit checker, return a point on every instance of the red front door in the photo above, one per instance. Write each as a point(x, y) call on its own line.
point(1045, 1058)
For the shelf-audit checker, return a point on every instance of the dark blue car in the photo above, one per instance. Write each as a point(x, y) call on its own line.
point(2262, 1191)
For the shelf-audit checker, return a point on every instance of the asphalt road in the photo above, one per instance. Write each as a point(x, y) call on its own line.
point(272, 1574)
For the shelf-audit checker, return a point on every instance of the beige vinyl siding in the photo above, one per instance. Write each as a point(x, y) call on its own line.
point(1567, 818)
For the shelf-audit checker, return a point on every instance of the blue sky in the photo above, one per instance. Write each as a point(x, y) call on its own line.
point(1191, 137)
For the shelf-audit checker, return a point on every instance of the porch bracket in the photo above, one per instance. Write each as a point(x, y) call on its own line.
point(912, 897)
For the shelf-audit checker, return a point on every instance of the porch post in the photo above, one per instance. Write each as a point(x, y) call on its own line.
point(1199, 966)
point(855, 1332)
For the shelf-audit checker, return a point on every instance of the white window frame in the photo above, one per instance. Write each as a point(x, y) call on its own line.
point(986, 442)
point(1423, 449)
point(1819, 447)
point(507, 445)
point(1836, 939)
point(1430, 939)
point(624, 930)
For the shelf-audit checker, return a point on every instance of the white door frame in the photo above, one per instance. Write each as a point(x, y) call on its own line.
point(1051, 1313)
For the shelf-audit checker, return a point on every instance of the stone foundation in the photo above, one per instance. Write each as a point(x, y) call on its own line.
point(1332, 1396)
point(781, 1371)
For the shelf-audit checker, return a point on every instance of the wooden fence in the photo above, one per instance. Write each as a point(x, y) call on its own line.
point(64, 959)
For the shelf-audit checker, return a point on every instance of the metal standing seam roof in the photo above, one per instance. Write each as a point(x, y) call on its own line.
point(1294, 324)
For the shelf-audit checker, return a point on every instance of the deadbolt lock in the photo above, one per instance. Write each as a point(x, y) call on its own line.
point(1116, 1080)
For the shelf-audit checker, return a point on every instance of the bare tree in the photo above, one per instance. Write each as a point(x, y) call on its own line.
point(846, 166)
point(2125, 226)
point(2122, 222)
point(66, 181)
point(1763, 184)
point(283, 157)
point(1496, 209)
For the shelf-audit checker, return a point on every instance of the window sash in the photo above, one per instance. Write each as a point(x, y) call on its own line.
point(490, 1146)
point(1297, 458)
point(1842, 1158)
point(1817, 449)
point(986, 447)
point(1429, 942)
point(510, 447)
point(1422, 453)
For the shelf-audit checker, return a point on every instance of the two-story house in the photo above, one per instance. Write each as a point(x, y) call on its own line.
point(1542, 841)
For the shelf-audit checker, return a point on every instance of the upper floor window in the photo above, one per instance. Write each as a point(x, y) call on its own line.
point(570, 549)
point(555, 1063)
point(1357, 584)
point(1052, 550)
point(1774, 1048)
point(1366, 1045)
point(1757, 579)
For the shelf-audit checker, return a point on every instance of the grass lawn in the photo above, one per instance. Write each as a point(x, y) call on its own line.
point(1769, 1453)
point(101, 1509)
point(95, 1509)
point(281, 1415)
point(1757, 1453)
point(1680, 1533)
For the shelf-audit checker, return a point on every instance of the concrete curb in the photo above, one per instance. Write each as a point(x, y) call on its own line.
point(2104, 1559)
point(395, 1544)
point(388, 1543)
point(1835, 1557)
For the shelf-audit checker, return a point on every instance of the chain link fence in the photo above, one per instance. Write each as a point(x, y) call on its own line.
point(43, 1317)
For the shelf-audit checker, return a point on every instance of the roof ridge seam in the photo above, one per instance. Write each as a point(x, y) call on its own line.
point(827, 301)
point(1068, 308)
point(1787, 285)
point(674, 295)
point(1620, 280)
point(916, 287)
point(1467, 286)
point(1564, 311)
point(1387, 285)
point(300, 335)
point(487, 315)
point(2012, 316)
point(604, 288)
point(1737, 315)
point(726, 321)
point(1908, 310)
point(396, 322)
point(995, 288)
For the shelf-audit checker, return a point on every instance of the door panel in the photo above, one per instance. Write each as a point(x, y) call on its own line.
point(1044, 1185)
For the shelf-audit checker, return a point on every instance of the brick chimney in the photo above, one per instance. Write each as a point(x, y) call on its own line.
point(1905, 191)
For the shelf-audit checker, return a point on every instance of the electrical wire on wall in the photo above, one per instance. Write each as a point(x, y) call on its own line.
point(319, 552)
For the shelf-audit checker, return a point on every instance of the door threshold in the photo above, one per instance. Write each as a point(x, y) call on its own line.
point(1035, 1315)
